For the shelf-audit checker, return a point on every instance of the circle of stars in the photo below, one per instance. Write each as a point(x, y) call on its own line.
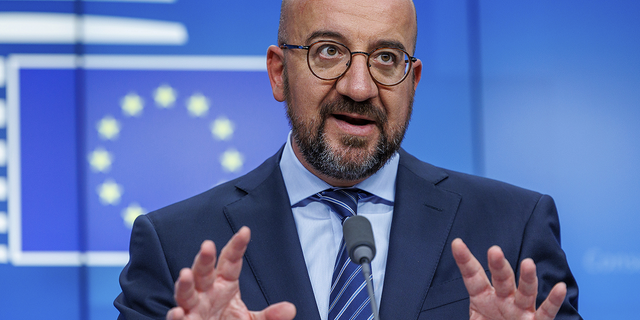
point(132, 105)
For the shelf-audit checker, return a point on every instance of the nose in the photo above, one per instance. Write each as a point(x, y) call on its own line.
point(357, 83)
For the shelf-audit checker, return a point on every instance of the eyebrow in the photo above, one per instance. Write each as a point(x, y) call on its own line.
point(389, 44)
point(324, 34)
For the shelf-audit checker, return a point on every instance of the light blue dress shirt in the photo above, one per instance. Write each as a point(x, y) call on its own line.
point(320, 229)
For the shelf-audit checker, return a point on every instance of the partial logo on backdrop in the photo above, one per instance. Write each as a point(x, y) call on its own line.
point(600, 261)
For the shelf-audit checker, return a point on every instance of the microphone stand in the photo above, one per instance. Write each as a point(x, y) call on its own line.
point(366, 271)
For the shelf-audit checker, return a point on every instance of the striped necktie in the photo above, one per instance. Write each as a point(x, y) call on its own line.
point(348, 299)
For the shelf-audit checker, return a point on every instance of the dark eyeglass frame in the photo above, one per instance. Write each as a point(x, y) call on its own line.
point(368, 54)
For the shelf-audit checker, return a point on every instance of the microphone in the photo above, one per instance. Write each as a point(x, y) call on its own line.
point(358, 239)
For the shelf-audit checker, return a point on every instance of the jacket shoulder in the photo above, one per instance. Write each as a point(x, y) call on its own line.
point(463, 184)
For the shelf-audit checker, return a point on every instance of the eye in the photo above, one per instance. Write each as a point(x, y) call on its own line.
point(385, 57)
point(328, 51)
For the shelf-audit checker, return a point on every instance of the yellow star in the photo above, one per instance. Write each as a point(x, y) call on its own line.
point(110, 192)
point(108, 128)
point(100, 160)
point(165, 96)
point(231, 160)
point(222, 128)
point(130, 213)
point(132, 105)
point(198, 105)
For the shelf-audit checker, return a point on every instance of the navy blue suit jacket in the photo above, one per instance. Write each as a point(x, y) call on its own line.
point(433, 206)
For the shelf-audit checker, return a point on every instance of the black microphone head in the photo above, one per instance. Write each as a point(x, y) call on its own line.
point(358, 238)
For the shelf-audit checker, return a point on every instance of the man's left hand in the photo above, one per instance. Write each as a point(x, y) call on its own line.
point(503, 300)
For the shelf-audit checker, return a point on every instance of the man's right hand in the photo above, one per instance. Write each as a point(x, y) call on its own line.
point(208, 292)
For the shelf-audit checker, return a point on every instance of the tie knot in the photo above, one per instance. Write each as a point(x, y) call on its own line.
point(342, 201)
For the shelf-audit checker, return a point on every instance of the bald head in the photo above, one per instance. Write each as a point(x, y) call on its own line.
point(291, 9)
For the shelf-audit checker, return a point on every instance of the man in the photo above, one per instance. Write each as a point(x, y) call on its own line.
point(346, 73)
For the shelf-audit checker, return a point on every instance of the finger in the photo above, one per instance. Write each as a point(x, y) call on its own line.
point(527, 286)
point(278, 311)
point(175, 314)
point(502, 277)
point(475, 279)
point(230, 261)
point(204, 266)
point(185, 292)
point(550, 307)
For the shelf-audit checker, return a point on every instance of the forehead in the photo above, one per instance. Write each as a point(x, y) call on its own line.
point(360, 24)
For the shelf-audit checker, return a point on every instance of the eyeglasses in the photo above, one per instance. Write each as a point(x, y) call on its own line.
point(329, 60)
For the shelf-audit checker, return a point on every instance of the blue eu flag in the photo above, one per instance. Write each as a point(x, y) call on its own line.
point(130, 140)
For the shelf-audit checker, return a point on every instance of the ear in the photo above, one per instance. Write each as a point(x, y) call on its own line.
point(417, 73)
point(275, 69)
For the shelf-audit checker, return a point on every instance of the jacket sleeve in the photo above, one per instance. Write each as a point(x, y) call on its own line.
point(146, 281)
point(541, 242)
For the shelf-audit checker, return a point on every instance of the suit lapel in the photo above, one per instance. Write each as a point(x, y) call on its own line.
point(422, 218)
point(274, 253)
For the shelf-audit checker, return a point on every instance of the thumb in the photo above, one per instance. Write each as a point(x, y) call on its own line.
point(279, 311)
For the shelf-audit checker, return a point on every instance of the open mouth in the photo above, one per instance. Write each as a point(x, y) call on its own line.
point(352, 120)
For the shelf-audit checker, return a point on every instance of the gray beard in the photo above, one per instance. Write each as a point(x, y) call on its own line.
point(352, 161)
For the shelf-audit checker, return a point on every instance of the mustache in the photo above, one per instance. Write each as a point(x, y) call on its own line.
point(348, 105)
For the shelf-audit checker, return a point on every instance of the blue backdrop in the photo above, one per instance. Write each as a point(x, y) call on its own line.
point(146, 103)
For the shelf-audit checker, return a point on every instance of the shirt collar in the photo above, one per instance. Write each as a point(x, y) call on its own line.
point(301, 183)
